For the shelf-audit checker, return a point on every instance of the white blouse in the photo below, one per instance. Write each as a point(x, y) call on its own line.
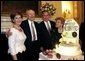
point(16, 42)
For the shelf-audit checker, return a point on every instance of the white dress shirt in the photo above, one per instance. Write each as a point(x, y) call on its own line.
point(47, 25)
point(29, 21)
point(16, 41)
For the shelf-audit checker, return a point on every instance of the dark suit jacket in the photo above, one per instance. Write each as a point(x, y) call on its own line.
point(26, 28)
point(45, 36)
point(32, 47)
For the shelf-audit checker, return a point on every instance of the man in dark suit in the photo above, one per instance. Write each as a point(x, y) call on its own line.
point(30, 28)
point(45, 31)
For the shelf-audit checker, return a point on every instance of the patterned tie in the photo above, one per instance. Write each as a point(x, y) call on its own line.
point(33, 31)
point(48, 27)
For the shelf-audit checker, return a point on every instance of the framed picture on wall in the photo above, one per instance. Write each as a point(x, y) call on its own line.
point(9, 6)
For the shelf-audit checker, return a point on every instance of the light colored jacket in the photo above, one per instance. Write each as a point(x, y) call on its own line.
point(16, 42)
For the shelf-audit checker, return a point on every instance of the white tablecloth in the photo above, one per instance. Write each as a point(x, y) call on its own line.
point(44, 57)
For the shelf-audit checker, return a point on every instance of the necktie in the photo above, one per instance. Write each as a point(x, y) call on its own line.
point(48, 27)
point(33, 31)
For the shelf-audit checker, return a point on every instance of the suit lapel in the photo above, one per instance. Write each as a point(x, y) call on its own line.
point(44, 26)
point(28, 29)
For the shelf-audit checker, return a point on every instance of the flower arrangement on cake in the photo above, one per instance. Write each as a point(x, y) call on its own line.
point(49, 8)
point(64, 43)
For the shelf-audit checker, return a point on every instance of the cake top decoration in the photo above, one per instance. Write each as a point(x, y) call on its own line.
point(71, 28)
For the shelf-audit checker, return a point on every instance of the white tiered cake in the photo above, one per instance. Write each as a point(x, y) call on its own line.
point(69, 43)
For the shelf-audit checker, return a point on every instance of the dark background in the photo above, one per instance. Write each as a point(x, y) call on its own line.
point(10, 6)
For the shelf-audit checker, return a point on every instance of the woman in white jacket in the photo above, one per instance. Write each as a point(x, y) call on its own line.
point(17, 38)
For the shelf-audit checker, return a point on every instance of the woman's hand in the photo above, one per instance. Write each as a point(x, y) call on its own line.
point(14, 57)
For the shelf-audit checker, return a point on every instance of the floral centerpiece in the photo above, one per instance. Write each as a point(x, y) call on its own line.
point(49, 8)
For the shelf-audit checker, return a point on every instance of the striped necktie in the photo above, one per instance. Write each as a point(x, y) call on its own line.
point(48, 27)
point(33, 31)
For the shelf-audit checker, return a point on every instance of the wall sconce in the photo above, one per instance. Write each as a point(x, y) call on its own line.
point(67, 9)
point(66, 13)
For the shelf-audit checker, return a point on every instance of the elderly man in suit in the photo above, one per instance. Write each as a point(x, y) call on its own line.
point(30, 28)
point(46, 27)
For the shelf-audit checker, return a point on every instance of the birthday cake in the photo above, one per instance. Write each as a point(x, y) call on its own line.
point(69, 43)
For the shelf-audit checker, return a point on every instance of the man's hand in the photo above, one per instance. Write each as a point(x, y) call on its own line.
point(8, 33)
